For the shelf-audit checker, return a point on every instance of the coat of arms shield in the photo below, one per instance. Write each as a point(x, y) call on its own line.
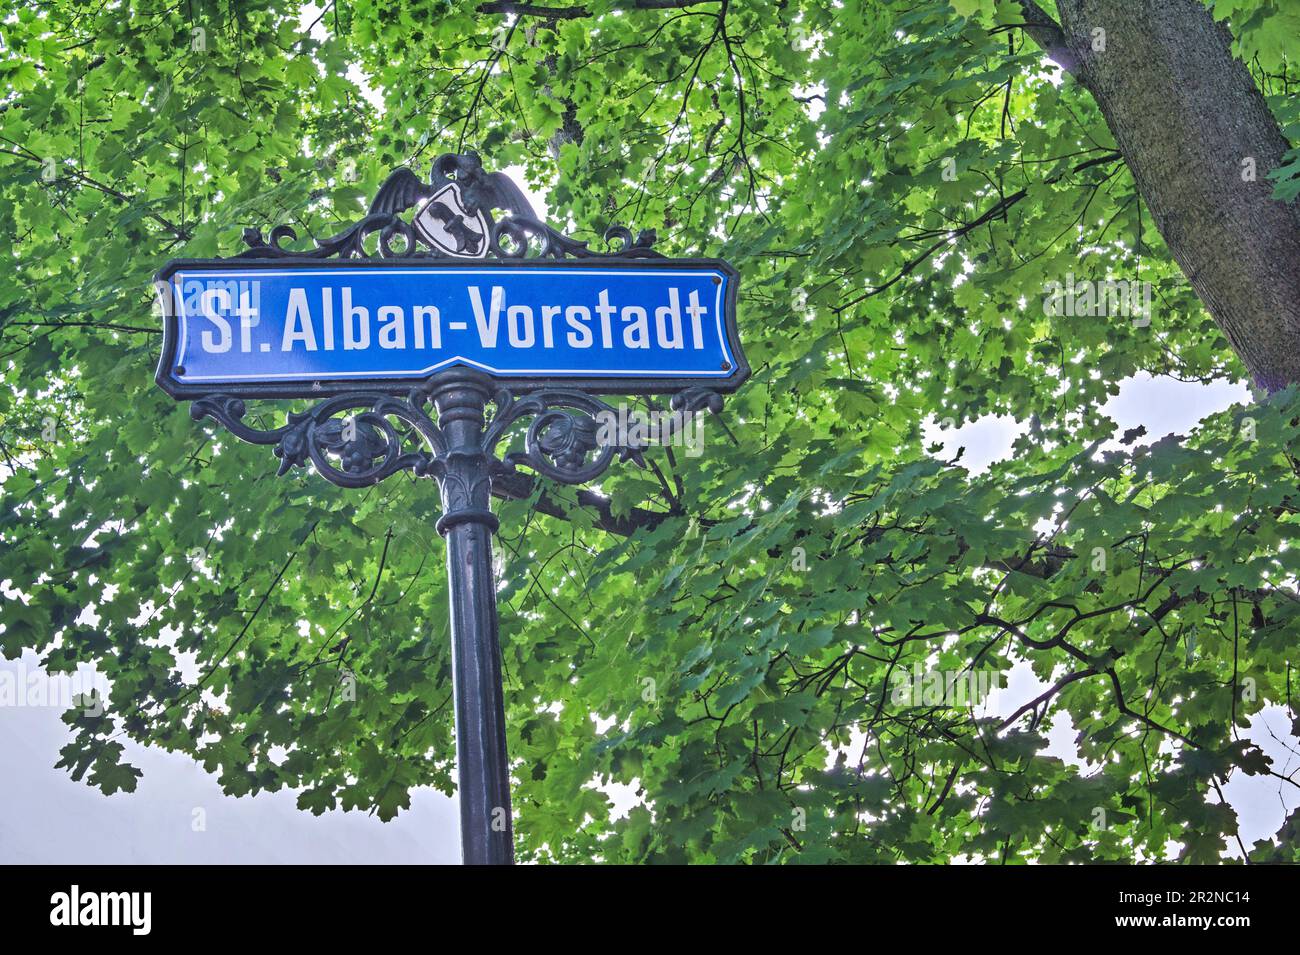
point(449, 227)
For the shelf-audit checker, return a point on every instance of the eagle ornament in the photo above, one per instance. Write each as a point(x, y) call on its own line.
point(455, 214)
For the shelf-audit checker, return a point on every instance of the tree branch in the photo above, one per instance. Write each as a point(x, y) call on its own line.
point(514, 487)
point(1047, 33)
point(578, 13)
point(947, 236)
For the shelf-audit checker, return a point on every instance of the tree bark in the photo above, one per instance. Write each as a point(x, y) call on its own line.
point(1187, 115)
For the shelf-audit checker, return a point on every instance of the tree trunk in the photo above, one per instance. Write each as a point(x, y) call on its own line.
point(1187, 116)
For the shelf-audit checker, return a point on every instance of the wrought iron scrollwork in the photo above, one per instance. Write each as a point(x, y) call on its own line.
point(348, 244)
point(360, 439)
point(530, 238)
point(563, 439)
point(518, 234)
point(350, 450)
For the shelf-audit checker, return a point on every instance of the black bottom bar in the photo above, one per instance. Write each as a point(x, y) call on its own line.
point(925, 907)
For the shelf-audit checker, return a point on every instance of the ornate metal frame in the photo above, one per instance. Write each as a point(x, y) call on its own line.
point(560, 443)
point(357, 438)
point(481, 191)
point(528, 238)
point(735, 374)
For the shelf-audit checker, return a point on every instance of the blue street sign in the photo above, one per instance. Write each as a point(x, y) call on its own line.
point(288, 327)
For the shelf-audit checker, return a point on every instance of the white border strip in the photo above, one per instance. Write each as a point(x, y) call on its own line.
point(180, 357)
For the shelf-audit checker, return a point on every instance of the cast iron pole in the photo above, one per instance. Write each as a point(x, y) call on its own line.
point(468, 523)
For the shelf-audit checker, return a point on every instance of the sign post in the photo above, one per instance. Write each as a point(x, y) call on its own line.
point(406, 333)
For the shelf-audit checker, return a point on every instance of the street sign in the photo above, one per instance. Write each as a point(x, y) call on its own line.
point(305, 328)
point(409, 341)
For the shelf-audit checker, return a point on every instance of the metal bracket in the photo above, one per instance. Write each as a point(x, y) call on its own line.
point(357, 440)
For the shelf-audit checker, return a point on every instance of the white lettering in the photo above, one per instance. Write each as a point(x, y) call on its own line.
point(636, 333)
point(248, 319)
point(392, 331)
point(354, 340)
point(430, 312)
point(221, 298)
point(606, 312)
point(519, 326)
point(75, 908)
point(668, 322)
point(578, 317)
point(696, 311)
point(487, 327)
point(298, 326)
point(549, 312)
point(327, 310)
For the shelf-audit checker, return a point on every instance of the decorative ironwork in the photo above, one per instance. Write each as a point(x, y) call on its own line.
point(367, 445)
point(454, 220)
point(360, 439)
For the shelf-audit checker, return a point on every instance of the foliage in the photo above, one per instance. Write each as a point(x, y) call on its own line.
point(898, 184)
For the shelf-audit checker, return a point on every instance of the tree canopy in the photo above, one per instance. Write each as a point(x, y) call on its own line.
point(903, 187)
